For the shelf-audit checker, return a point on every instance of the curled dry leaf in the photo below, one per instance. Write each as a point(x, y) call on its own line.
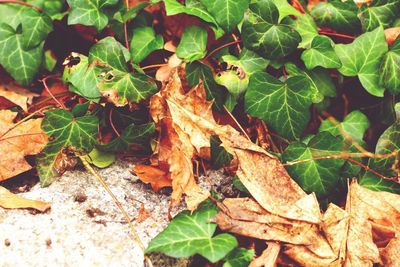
point(363, 234)
point(186, 123)
point(25, 139)
point(268, 257)
point(164, 72)
point(9, 200)
point(19, 96)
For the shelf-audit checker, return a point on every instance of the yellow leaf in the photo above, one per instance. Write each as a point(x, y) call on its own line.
point(9, 200)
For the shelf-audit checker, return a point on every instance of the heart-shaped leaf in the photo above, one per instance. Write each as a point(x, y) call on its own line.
point(239, 257)
point(189, 234)
point(193, 44)
point(283, 105)
point(262, 33)
point(362, 58)
point(321, 54)
point(319, 176)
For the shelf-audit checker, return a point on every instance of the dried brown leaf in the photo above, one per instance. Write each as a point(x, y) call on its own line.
point(25, 139)
point(17, 95)
point(268, 257)
point(154, 176)
point(9, 200)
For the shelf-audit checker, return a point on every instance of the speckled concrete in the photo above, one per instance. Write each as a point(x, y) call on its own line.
point(68, 236)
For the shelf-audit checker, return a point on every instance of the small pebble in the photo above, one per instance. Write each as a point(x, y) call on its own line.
point(7, 242)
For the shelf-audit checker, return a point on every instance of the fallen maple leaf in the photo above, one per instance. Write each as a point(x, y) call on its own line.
point(9, 200)
point(17, 95)
point(25, 139)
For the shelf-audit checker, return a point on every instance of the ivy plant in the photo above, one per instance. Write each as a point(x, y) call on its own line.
point(315, 82)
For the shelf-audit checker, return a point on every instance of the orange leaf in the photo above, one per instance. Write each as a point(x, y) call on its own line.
point(154, 176)
point(25, 139)
point(391, 34)
point(9, 200)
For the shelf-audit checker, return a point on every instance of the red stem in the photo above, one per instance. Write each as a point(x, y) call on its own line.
point(221, 47)
point(112, 124)
point(22, 4)
point(337, 34)
point(367, 168)
point(50, 93)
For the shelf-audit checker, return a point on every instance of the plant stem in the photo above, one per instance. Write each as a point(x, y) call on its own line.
point(21, 3)
point(116, 202)
point(23, 120)
point(221, 47)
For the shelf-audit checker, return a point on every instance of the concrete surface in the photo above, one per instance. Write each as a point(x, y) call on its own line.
point(88, 233)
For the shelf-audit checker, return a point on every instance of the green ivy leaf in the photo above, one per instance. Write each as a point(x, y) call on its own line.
point(362, 58)
point(89, 12)
point(338, 15)
point(193, 44)
point(194, 8)
point(108, 52)
point(78, 134)
point(144, 41)
point(22, 64)
point(285, 9)
point(321, 83)
point(262, 33)
point(82, 77)
point(196, 72)
point(239, 257)
point(100, 159)
point(379, 14)
point(321, 54)
point(283, 105)
point(248, 61)
point(131, 135)
point(319, 176)
point(231, 79)
point(116, 83)
point(35, 27)
point(306, 27)
point(219, 156)
point(390, 69)
point(370, 181)
point(122, 88)
point(227, 13)
point(354, 124)
point(189, 234)
point(388, 142)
